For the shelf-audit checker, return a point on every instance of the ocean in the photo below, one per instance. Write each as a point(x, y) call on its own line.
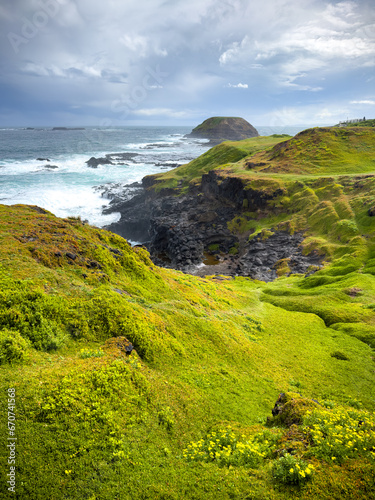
point(47, 167)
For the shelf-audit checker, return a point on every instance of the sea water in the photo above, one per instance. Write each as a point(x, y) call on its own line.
point(46, 167)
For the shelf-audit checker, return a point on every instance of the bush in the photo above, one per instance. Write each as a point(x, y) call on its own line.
point(339, 355)
point(166, 418)
point(291, 470)
point(35, 315)
point(226, 448)
point(339, 434)
point(13, 347)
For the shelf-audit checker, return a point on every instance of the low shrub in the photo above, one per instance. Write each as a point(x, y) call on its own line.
point(91, 353)
point(339, 355)
point(226, 448)
point(166, 418)
point(291, 470)
point(339, 434)
point(13, 347)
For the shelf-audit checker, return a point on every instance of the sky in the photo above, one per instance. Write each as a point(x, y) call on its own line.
point(276, 63)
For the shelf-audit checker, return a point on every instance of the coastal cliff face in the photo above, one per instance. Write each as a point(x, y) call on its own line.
point(221, 128)
point(234, 220)
point(196, 232)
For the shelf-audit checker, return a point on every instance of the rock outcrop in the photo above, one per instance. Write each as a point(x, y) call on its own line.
point(221, 128)
point(191, 233)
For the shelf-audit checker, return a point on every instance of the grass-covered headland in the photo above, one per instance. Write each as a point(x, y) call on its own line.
point(190, 412)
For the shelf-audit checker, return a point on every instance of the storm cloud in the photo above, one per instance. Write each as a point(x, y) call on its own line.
point(273, 62)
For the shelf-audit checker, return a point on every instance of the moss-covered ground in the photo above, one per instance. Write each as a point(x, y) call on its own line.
point(185, 414)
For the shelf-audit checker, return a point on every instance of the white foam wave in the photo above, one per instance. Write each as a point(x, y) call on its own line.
point(68, 201)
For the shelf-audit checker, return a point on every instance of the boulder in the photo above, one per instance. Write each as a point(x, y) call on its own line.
point(290, 409)
point(119, 345)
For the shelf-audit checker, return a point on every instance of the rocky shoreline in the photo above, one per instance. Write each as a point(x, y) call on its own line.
point(190, 232)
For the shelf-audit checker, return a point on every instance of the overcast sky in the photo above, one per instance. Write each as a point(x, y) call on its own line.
point(123, 62)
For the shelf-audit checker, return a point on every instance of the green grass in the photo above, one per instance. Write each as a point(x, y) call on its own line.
point(321, 151)
point(222, 155)
point(93, 422)
point(214, 122)
point(208, 355)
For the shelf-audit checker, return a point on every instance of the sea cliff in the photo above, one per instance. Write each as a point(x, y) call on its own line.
point(250, 208)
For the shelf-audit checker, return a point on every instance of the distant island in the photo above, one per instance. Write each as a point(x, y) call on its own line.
point(224, 128)
point(68, 128)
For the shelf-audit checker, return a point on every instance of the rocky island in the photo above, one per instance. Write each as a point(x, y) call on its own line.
point(223, 128)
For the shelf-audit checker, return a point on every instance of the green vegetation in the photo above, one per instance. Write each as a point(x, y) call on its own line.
point(187, 413)
point(225, 153)
point(214, 122)
point(364, 123)
point(321, 151)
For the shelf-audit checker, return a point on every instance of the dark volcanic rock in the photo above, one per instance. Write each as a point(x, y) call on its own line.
point(94, 162)
point(263, 256)
point(185, 231)
point(219, 129)
point(111, 159)
point(135, 218)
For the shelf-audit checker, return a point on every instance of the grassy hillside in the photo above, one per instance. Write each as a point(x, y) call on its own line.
point(185, 414)
point(225, 153)
point(320, 151)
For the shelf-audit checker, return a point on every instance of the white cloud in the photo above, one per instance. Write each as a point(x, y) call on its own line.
point(35, 69)
point(325, 41)
point(288, 52)
point(237, 86)
point(141, 46)
point(77, 70)
point(160, 112)
point(325, 114)
point(372, 103)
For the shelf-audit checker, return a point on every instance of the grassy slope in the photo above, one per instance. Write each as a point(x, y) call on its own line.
point(211, 353)
point(321, 151)
point(225, 153)
point(213, 122)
